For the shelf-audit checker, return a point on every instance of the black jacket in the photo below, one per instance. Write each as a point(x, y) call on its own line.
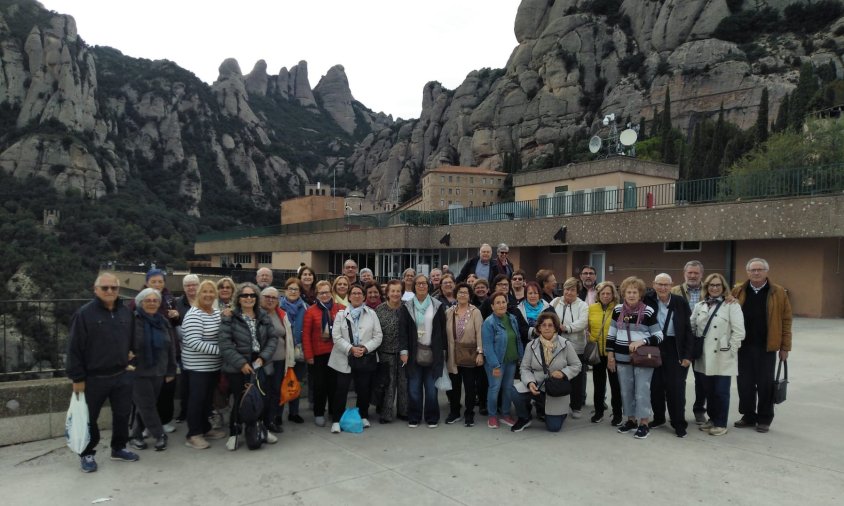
point(684, 340)
point(469, 268)
point(165, 362)
point(100, 340)
point(408, 336)
point(236, 340)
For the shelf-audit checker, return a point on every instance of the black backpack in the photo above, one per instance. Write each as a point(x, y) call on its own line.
point(252, 403)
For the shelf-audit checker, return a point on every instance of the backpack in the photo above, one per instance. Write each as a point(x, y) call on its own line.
point(255, 434)
point(252, 403)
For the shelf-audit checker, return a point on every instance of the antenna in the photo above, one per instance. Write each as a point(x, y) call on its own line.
point(595, 144)
point(615, 144)
point(628, 137)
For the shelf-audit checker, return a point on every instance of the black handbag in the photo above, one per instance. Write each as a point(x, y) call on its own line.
point(697, 352)
point(367, 363)
point(781, 384)
point(554, 387)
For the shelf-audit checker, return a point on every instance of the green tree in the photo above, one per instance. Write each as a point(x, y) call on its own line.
point(762, 118)
point(669, 152)
point(781, 122)
point(820, 144)
point(807, 86)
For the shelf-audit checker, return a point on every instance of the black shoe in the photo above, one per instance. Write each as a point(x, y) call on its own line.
point(597, 418)
point(642, 432)
point(384, 421)
point(484, 412)
point(681, 433)
point(451, 418)
point(161, 443)
point(742, 423)
point(470, 421)
point(295, 419)
point(520, 425)
point(138, 443)
point(656, 423)
point(616, 420)
point(275, 428)
point(402, 417)
point(627, 427)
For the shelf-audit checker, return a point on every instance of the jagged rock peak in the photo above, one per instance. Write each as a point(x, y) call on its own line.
point(229, 68)
point(298, 85)
point(257, 80)
point(336, 96)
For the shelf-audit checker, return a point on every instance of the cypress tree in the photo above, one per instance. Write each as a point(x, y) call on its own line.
point(669, 154)
point(762, 118)
point(712, 163)
point(807, 86)
point(781, 122)
point(655, 123)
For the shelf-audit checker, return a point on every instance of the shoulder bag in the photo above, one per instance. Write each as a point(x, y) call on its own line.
point(697, 352)
point(781, 384)
point(465, 354)
point(554, 387)
point(366, 363)
point(645, 356)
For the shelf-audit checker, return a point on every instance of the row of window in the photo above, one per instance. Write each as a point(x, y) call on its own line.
point(245, 259)
point(456, 191)
point(484, 180)
point(471, 203)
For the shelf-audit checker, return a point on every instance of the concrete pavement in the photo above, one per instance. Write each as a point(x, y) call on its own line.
point(801, 461)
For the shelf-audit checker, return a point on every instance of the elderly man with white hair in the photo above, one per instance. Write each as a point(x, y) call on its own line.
point(668, 383)
point(264, 277)
point(480, 266)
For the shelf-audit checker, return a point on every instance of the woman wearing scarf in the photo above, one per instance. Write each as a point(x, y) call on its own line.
point(340, 289)
point(247, 338)
point(465, 353)
point(531, 306)
point(503, 348)
point(282, 357)
point(225, 296)
point(634, 324)
point(600, 316)
point(317, 344)
point(446, 294)
point(294, 307)
point(391, 387)
point(155, 364)
point(574, 318)
point(373, 295)
point(308, 277)
point(422, 336)
point(556, 354)
point(721, 342)
point(356, 334)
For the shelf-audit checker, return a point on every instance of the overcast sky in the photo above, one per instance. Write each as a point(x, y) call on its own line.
point(389, 48)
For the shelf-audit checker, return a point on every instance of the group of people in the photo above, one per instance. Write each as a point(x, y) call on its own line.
point(507, 346)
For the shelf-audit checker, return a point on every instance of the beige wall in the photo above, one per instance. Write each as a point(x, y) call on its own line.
point(617, 179)
point(310, 208)
point(470, 186)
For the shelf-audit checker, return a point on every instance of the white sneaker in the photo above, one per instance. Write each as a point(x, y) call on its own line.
point(366, 423)
point(319, 421)
point(168, 428)
point(271, 438)
point(145, 434)
point(335, 428)
point(576, 413)
point(232, 443)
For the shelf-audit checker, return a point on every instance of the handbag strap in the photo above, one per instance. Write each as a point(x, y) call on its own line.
point(780, 368)
point(667, 321)
point(711, 317)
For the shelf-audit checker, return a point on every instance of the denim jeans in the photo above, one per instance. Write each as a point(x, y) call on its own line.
point(635, 383)
point(522, 402)
point(717, 398)
point(503, 383)
point(418, 378)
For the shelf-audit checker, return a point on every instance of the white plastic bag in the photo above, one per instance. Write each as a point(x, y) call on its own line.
point(76, 424)
point(443, 382)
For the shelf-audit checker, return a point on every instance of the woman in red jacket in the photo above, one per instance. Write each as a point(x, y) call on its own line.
point(317, 344)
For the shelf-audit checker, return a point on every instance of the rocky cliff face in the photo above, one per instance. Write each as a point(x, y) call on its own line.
point(91, 119)
point(573, 65)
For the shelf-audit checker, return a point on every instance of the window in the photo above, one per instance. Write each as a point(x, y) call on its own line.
point(458, 179)
point(449, 202)
point(483, 180)
point(224, 260)
point(561, 189)
point(670, 247)
point(472, 179)
point(449, 179)
point(265, 258)
point(484, 192)
point(243, 258)
point(442, 203)
point(442, 191)
point(449, 191)
point(471, 192)
point(499, 180)
point(442, 179)
point(457, 191)
point(470, 203)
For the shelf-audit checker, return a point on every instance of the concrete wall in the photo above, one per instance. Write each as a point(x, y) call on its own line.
point(617, 179)
point(311, 208)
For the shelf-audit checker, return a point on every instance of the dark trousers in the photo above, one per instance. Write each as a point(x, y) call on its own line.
point(118, 391)
point(600, 373)
point(184, 393)
point(201, 387)
point(363, 391)
point(390, 389)
point(467, 377)
point(418, 379)
point(273, 390)
point(482, 385)
point(717, 398)
point(756, 369)
point(166, 397)
point(578, 387)
point(236, 383)
point(324, 380)
point(145, 394)
point(668, 386)
point(700, 393)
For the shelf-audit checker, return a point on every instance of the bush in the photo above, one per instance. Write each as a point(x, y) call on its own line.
point(744, 26)
point(634, 63)
point(811, 17)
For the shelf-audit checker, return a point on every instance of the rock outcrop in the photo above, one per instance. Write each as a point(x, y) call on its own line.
point(336, 97)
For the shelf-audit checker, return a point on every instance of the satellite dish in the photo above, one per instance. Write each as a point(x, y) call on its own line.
point(595, 144)
point(628, 137)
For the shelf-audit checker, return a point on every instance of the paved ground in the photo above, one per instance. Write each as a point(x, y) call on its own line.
point(801, 461)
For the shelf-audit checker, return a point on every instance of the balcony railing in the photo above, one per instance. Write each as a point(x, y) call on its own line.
point(765, 185)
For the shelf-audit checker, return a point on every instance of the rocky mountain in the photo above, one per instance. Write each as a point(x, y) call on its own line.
point(93, 120)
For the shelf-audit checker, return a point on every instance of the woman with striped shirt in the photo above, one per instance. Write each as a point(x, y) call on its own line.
point(201, 362)
point(634, 324)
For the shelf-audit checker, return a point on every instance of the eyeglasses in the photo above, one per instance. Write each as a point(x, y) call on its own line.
point(715, 285)
point(587, 273)
point(293, 289)
point(109, 288)
point(248, 296)
point(757, 270)
point(421, 283)
point(323, 293)
point(503, 252)
point(225, 287)
point(151, 301)
point(548, 323)
point(518, 279)
point(270, 297)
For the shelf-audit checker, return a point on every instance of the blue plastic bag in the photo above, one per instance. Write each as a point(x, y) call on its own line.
point(351, 421)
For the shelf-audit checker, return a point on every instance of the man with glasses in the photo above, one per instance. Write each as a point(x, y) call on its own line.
point(98, 354)
point(350, 270)
point(691, 291)
point(517, 286)
point(767, 323)
point(502, 264)
point(588, 281)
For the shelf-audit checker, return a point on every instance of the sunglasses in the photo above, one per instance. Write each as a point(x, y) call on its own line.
point(109, 288)
point(248, 296)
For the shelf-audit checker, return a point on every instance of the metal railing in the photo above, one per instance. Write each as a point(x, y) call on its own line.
point(763, 185)
point(33, 337)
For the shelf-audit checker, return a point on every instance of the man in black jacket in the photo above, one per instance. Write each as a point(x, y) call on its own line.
point(480, 266)
point(668, 384)
point(99, 351)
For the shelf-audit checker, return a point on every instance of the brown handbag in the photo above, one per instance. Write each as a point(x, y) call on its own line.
point(465, 354)
point(645, 356)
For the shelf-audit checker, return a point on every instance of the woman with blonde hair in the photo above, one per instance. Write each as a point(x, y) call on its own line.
point(600, 316)
point(225, 296)
point(340, 289)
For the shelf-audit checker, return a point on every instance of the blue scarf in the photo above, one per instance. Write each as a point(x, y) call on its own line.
point(532, 312)
point(295, 313)
point(154, 328)
point(355, 313)
point(327, 321)
point(421, 308)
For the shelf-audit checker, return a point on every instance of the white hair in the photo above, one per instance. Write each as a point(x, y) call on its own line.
point(760, 260)
point(190, 278)
point(663, 275)
point(139, 299)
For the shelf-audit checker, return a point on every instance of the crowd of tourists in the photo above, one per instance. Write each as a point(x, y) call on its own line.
point(511, 349)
